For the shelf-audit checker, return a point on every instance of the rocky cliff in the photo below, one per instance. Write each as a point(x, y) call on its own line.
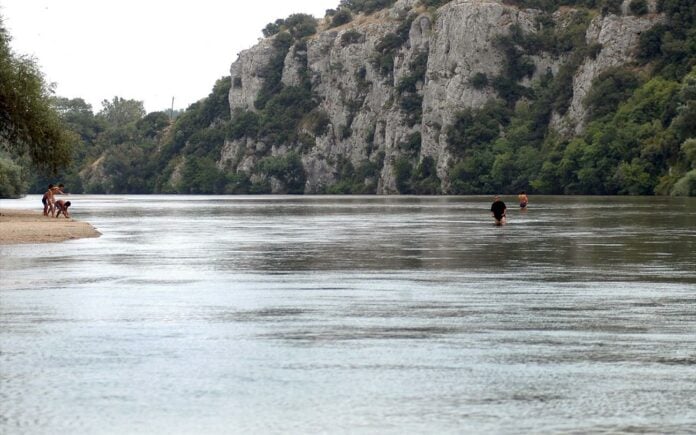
point(385, 87)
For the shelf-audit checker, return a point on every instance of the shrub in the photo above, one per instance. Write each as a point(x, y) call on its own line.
point(273, 72)
point(388, 46)
point(479, 81)
point(611, 7)
point(425, 179)
point(412, 145)
point(434, 3)
point(12, 183)
point(287, 169)
point(403, 172)
point(367, 6)
point(283, 112)
point(244, 123)
point(351, 37)
point(418, 67)
point(608, 90)
point(475, 128)
point(638, 7)
point(686, 186)
point(317, 121)
point(272, 28)
point(343, 16)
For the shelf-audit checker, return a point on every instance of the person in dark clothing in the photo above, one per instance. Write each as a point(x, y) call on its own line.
point(498, 209)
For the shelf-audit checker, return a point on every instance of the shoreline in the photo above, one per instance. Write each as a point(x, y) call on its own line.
point(27, 227)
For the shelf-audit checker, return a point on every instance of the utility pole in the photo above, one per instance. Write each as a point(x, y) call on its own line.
point(171, 111)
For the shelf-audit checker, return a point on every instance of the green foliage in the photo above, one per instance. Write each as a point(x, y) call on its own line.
point(120, 112)
point(417, 70)
point(12, 180)
point(287, 169)
point(367, 6)
point(403, 174)
point(317, 121)
point(351, 37)
point(425, 180)
point(611, 7)
point(152, 124)
point(412, 145)
point(433, 3)
point(412, 106)
point(479, 81)
point(272, 28)
point(129, 170)
point(283, 113)
point(517, 47)
point(639, 137)
point(272, 73)
point(301, 25)
point(638, 7)
point(421, 180)
point(389, 45)
point(341, 17)
point(386, 52)
point(609, 89)
point(202, 128)
point(689, 150)
point(671, 47)
point(297, 25)
point(475, 128)
point(357, 181)
point(244, 123)
point(686, 186)
point(201, 175)
point(29, 126)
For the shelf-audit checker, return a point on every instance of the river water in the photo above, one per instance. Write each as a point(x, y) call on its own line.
point(296, 314)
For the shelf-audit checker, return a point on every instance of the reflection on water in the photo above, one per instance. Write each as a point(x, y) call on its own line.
point(353, 314)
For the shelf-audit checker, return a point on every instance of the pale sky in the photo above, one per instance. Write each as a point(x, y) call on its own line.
point(146, 50)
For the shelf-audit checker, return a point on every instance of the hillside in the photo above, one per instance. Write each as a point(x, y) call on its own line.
point(428, 97)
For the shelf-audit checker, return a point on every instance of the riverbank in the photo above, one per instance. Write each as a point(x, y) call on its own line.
point(23, 227)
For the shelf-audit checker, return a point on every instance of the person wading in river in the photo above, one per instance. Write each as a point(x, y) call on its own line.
point(498, 209)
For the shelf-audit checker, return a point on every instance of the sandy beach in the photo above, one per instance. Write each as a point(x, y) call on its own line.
point(21, 226)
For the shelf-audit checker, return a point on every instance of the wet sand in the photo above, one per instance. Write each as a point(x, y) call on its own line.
point(22, 227)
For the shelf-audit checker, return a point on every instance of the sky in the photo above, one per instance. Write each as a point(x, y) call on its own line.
point(145, 50)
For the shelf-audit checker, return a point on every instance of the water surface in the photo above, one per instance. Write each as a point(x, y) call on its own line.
point(272, 314)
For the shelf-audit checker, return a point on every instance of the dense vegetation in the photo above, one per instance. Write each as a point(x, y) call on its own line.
point(121, 149)
point(640, 137)
point(31, 134)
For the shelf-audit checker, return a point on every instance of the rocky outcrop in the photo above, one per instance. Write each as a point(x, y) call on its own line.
point(618, 36)
point(372, 114)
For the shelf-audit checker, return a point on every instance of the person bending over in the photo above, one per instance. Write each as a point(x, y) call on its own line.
point(62, 207)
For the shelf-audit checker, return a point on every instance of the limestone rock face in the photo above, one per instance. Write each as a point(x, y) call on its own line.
point(246, 75)
point(370, 115)
point(618, 37)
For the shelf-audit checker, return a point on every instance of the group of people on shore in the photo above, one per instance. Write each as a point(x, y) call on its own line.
point(52, 206)
point(498, 208)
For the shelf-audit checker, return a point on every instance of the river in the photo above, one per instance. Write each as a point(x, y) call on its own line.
point(340, 314)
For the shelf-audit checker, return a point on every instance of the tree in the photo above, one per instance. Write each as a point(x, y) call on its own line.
point(119, 112)
point(28, 124)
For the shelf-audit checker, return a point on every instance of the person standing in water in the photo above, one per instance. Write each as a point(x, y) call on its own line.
point(498, 209)
point(522, 197)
